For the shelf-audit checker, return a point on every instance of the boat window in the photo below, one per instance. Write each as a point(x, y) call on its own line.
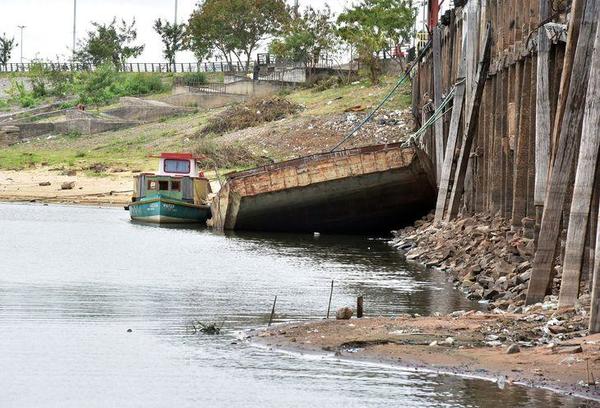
point(163, 185)
point(177, 166)
point(175, 185)
point(151, 184)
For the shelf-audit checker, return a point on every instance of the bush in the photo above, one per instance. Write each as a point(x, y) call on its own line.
point(105, 85)
point(20, 95)
point(46, 82)
point(139, 84)
point(194, 78)
point(97, 87)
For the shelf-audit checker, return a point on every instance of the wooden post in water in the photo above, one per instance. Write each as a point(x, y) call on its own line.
point(564, 160)
point(359, 307)
point(272, 310)
point(329, 304)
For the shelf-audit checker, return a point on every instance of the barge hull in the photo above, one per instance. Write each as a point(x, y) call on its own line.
point(371, 189)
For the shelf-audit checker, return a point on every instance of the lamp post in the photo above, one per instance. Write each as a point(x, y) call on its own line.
point(74, 27)
point(175, 36)
point(21, 27)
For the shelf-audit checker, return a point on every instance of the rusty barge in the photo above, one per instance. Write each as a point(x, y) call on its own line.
point(368, 189)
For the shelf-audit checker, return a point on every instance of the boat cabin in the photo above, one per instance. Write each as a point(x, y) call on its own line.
point(178, 177)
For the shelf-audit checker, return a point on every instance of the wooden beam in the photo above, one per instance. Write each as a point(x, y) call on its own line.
point(437, 98)
point(457, 108)
point(542, 115)
point(566, 154)
point(584, 186)
point(472, 113)
point(595, 303)
point(519, 207)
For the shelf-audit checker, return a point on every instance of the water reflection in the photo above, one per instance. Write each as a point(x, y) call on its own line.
point(74, 279)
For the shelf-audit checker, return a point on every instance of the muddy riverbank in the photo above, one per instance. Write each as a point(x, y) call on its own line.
point(46, 186)
point(463, 343)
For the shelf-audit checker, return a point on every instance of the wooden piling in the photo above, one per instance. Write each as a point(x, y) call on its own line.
point(359, 307)
point(566, 152)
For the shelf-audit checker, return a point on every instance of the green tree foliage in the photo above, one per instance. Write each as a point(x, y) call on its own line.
point(6, 47)
point(306, 38)
point(172, 36)
point(109, 43)
point(374, 26)
point(234, 26)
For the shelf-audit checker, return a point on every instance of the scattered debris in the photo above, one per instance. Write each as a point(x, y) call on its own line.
point(250, 113)
point(210, 328)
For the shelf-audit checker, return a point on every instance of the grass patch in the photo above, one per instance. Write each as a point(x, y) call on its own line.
point(341, 97)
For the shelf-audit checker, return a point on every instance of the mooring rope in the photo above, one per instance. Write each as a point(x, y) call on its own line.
point(437, 114)
point(385, 99)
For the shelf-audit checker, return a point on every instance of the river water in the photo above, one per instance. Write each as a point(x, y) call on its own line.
point(73, 280)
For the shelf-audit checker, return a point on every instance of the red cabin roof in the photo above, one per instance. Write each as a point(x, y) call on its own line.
point(177, 156)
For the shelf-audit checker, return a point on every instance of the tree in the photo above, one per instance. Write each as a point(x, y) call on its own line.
point(173, 38)
point(374, 26)
point(6, 47)
point(110, 43)
point(234, 26)
point(306, 38)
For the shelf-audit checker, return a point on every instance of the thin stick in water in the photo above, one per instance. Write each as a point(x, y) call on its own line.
point(329, 305)
point(273, 310)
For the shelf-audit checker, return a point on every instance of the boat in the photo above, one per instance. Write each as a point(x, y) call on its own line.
point(368, 189)
point(177, 193)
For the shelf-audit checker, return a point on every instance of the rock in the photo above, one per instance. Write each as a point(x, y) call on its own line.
point(570, 349)
point(433, 343)
point(554, 329)
point(344, 313)
point(449, 341)
point(71, 173)
point(44, 183)
point(513, 349)
point(129, 330)
point(491, 294)
point(524, 277)
point(67, 185)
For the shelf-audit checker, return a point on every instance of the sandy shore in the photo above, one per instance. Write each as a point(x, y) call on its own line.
point(447, 344)
point(112, 189)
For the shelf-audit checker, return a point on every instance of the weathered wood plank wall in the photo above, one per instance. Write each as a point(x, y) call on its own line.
point(525, 161)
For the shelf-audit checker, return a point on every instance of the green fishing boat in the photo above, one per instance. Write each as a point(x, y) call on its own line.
point(177, 193)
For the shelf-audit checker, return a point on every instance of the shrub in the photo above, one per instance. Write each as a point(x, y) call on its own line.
point(97, 87)
point(20, 95)
point(194, 78)
point(139, 84)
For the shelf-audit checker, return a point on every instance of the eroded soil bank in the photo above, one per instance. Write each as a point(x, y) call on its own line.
point(503, 348)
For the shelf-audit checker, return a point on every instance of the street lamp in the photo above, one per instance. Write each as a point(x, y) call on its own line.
point(74, 26)
point(21, 27)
